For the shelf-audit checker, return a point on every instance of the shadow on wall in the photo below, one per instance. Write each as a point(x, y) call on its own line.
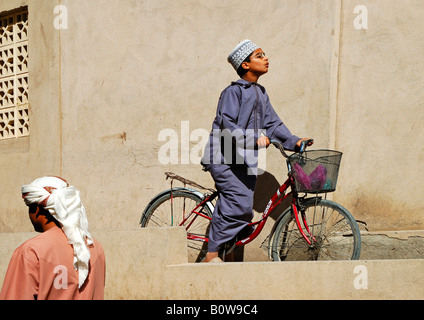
point(266, 187)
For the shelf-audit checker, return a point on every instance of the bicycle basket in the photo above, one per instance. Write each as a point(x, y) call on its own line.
point(315, 171)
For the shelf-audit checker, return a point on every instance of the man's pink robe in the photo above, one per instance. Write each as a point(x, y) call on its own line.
point(42, 268)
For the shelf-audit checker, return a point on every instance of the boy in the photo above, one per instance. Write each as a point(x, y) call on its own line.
point(245, 118)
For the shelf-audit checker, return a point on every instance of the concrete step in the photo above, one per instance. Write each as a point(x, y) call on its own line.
point(152, 264)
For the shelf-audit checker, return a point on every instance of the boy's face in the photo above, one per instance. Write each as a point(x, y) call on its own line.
point(259, 63)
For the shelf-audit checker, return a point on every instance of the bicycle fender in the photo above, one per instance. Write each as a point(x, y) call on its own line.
point(197, 193)
point(202, 196)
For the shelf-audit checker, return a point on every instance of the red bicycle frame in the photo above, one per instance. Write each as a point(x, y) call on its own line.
point(278, 197)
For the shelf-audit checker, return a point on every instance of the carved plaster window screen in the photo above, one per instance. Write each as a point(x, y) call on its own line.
point(14, 106)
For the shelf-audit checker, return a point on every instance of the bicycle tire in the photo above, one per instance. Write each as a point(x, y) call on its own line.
point(159, 214)
point(335, 230)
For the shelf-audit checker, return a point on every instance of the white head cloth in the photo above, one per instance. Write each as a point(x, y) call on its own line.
point(64, 204)
point(241, 52)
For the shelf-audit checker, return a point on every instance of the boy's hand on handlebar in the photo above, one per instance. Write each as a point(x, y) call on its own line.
point(303, 143)
point(310, 142)
point(263, 142)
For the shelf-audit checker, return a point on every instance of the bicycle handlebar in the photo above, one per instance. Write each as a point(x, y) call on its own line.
point(303, 146)
point(306, 144)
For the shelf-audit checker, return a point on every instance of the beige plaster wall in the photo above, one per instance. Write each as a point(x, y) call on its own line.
point(102, 90)
point(156, 64)
point(23, 160)
point(380, 114)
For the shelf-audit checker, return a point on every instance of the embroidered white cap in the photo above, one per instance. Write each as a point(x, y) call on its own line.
point(241, 52)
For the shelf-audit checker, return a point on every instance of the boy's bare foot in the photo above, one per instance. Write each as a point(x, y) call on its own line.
point(212, 257)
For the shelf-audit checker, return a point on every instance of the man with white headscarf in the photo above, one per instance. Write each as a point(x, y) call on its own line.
point(64, 262)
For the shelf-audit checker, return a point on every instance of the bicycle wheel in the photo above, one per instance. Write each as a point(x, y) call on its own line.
point(171, 212)
point(336, 234)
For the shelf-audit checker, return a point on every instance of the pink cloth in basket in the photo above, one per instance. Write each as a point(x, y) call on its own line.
point(315, 181)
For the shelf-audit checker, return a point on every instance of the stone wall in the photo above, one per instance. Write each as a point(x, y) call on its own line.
point(105, 85)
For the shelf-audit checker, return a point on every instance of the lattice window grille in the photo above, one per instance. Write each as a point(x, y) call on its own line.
point(14, 107)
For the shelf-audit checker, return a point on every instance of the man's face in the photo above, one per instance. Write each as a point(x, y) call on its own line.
point(37, 219)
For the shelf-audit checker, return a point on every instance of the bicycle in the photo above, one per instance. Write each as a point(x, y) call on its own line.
point(312, 228)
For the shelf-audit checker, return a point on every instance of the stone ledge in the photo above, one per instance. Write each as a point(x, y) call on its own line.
point(341, 280)
point(151, 264)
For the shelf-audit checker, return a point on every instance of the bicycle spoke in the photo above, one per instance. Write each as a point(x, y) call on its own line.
point(178, 209)
point(329, 225)
point(158, 221)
